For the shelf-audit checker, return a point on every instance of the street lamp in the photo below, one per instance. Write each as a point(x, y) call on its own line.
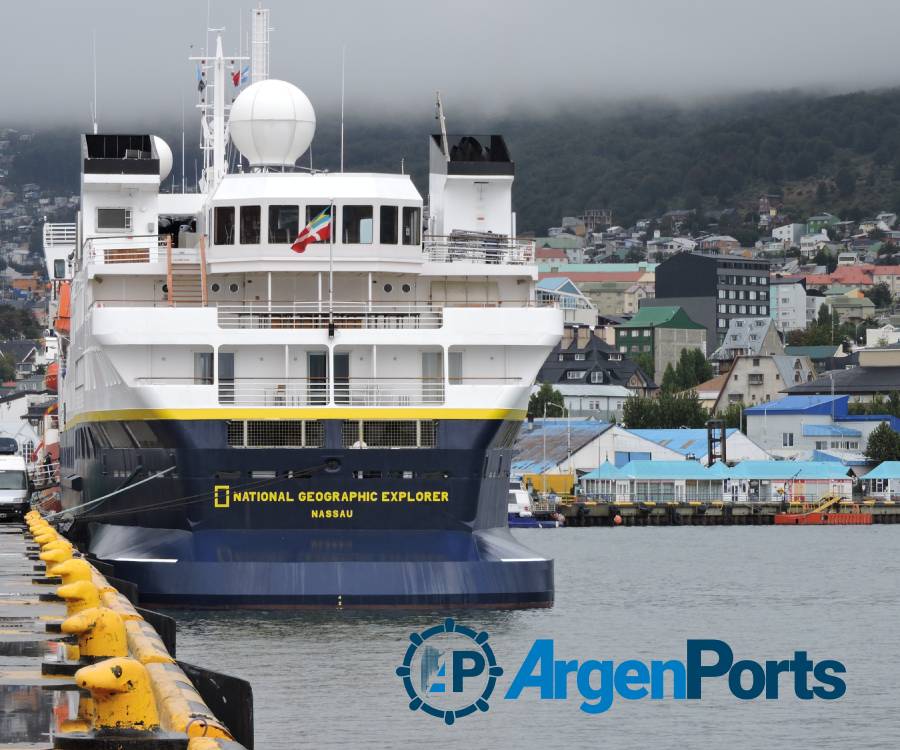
point(568, 439)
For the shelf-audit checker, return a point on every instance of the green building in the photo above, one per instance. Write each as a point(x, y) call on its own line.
point(817, 223)
point(661, 332)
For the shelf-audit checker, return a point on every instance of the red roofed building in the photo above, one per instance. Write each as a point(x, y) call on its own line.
point(551, 253)
point(860, 276)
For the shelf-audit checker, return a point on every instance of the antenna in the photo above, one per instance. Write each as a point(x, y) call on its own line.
point(439, 116)
point(343, 57)
point(182, 143)
point(94, 63)
point(259, 44)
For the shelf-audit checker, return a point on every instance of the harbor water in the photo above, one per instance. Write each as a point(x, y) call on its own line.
point(327, 680)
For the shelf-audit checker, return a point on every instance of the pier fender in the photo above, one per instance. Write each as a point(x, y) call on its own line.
point(144, 643)
point(100, 631)
point(181, 708)
point(121, 693)
point(79, 595)
point(118, 603)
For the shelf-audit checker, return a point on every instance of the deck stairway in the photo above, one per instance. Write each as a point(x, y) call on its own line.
point(186, 275)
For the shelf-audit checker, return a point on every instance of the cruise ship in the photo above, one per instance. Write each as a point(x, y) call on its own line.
point(296, 387)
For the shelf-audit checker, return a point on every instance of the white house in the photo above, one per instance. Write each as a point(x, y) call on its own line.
point(789, 235)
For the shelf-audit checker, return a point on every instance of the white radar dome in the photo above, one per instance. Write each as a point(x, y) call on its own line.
point(272, 123)
point(165, 156)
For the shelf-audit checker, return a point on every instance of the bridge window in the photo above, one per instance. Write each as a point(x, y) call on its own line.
point(388, 232)
point(250, 225)
point(357, 225)
point(412, 226)
point(284, 224)
point(224, 225)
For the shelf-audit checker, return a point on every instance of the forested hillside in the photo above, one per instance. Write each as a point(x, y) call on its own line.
point(836, 153)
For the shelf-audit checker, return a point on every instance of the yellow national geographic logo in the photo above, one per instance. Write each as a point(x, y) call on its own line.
point(221, 496)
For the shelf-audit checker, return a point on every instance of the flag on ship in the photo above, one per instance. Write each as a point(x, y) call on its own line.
point(201, 84)
point(318, 230)
point(240, 76)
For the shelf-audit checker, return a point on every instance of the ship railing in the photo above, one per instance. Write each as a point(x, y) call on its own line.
point(316, 315)
point(357, 391)
point(499, 250)
point(44, 474)
point(389, 392)
point(60, 235)
point(130, 248)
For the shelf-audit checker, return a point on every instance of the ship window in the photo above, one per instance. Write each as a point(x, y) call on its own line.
point(293, 433)
point(142, 434)
point(388, 231)
point(412, 226)
point(357, 225)
point(313, 211)
point(225, 225)
point(284, 224)
point(113, 219)
point(59, 268)
point(388, 434)
point(203, 368)
point(250, 224)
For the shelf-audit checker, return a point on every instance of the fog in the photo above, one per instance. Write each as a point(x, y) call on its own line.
point(488, 58)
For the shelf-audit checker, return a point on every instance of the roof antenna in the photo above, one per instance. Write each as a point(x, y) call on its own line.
point(343, 57)
point(439, 116)
point(94, 63)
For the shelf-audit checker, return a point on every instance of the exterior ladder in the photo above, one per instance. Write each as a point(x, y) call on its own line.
point(186, 276)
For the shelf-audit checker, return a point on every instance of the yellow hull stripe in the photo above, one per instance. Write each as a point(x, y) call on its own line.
point(278, 413)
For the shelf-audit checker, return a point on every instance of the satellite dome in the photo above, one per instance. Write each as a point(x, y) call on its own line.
point(165, 156)
point(272, 123)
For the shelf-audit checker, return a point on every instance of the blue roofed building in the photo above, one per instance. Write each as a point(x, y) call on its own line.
point(691, 481)
point(814, 426)
point(883, 482)
point(692, 443)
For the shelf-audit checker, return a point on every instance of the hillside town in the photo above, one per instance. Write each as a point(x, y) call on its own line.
point(669, 323)
point(793, 342)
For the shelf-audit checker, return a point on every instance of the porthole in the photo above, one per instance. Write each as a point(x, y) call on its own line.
point(332, 465)
point(215, 287)
point(232, 288)
point(388, 288)
point(406, 288)
point(165, 288)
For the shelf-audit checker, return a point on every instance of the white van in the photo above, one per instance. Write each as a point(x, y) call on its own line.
point(14, 489)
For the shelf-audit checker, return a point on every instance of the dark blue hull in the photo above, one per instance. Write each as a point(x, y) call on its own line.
point(323, 526)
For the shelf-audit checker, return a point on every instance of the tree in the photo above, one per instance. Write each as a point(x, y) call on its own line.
point(670, 381)
point(669, 410)
point(7, 370)
point(733, 415)
point(18, 323)
point(883, 444)
point(845, 180)
point(546, 396)
point(644, 360)
point(880, 294)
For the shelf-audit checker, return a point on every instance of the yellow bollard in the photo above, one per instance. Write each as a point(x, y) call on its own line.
point(100, 631)
point(79, 595)
point(46, 537)
point(60, 543)
point(73, 570)
point(123, 698)
point(55, 556)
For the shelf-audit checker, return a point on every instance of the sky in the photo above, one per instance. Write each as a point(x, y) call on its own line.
point(492, 57)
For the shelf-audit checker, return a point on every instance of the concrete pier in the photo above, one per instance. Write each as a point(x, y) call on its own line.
point(63, 646)
point(713, 513)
